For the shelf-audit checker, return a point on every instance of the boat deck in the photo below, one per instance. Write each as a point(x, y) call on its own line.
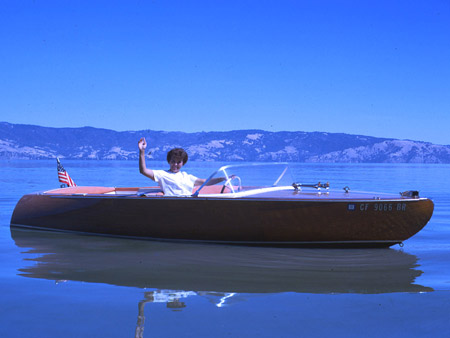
point(279, 193)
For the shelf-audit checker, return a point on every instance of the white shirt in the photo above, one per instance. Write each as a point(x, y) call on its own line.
point(173, 184)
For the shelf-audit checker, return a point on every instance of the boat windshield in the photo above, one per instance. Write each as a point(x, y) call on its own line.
point(236, 178)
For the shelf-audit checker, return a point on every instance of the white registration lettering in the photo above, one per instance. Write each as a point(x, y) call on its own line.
point(401, 206)
point(383, 207)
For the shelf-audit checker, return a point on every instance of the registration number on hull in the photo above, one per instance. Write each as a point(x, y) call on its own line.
point(377, 206)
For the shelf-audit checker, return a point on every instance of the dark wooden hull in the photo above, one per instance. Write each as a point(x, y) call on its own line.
point(259, 221)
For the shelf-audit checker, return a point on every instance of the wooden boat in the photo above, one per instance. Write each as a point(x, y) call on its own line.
point(241, 211)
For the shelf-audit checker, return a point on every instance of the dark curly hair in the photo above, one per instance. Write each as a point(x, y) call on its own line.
point(177, 154)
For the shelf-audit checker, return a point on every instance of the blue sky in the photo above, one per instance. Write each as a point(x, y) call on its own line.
point(378, 68)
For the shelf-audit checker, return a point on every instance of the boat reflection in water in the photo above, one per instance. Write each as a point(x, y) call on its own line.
point(220, 273)
point(218, 268)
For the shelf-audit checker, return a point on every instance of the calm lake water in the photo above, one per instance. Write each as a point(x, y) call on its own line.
point(58, 285)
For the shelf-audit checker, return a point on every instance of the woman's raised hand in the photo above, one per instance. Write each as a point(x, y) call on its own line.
point(142, 144)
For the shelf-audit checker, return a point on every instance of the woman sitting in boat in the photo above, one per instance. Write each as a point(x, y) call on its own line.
point(173, 182)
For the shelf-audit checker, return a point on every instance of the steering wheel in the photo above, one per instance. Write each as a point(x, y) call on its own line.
point(228, 184)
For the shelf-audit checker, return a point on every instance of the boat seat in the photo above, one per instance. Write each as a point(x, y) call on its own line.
point(213, 189)
point(152, 191)
point(81, 190)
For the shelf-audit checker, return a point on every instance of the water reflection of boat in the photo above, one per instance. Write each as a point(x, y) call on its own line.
point(242, 211)
point(212, 268)
point(173, 301)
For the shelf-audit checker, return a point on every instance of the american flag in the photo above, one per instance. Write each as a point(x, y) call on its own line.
point(63, 175)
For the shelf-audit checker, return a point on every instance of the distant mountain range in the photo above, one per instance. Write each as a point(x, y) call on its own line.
point(18, 141)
